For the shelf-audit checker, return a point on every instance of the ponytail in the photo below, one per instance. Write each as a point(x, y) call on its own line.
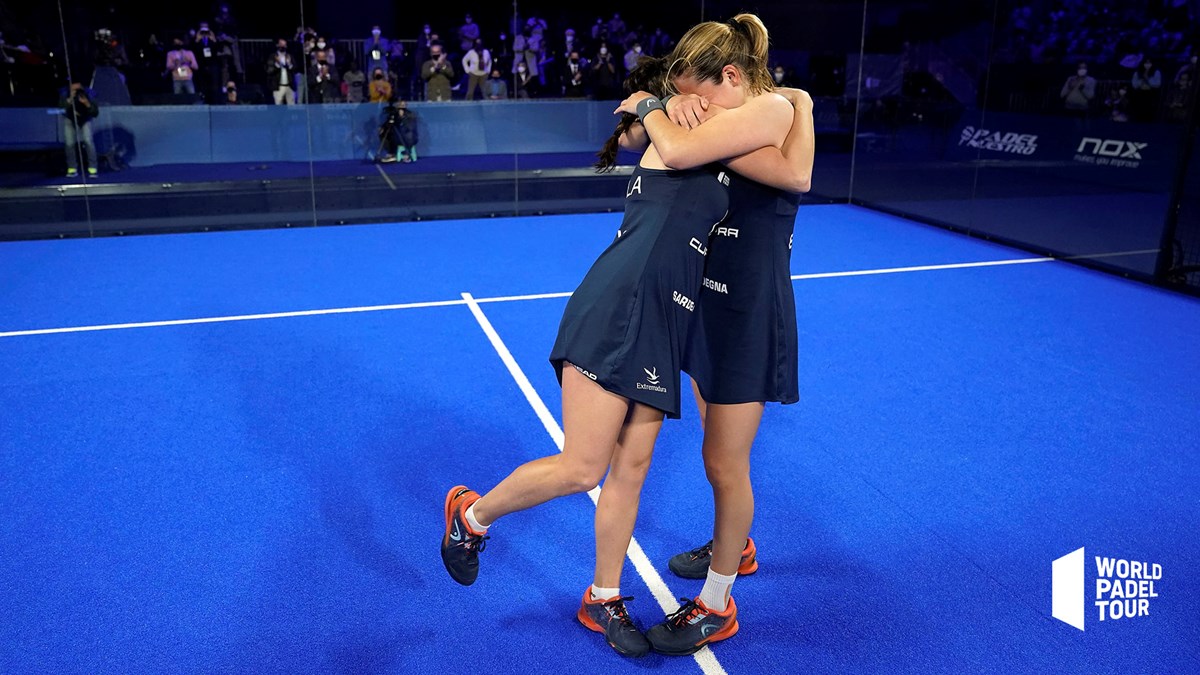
point(708, 47)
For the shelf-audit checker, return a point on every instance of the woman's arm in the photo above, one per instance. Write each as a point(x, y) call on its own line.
point(788, 168)
point(763, 121)
point(635, 139)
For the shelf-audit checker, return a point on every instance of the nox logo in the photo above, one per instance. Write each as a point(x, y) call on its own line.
point(696, 244)
point(1123, 588)
point(1110, 148)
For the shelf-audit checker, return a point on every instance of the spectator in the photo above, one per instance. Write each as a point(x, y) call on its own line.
point(231, 94)
point(468, 33)
point(1147, 85)
point(661, 44)
point(477, 64)
point(181, 63)
point(78, 112)
point(438, 73)
point(616, 28)
point(599, 31)
point(280, 69)
point(525, 49)
point(354, 84)
point(397, 74)
point(1078, 91)
point(375, 50)
point(495, 88)
point(779, 77)
point(570, 44)
point(330, 53)
point(606, 82)
point(1179, 99)
point(398, 133)
point(525, 85)
point(323, 84)
point(632, 56)
point(205, 49)
point(1188, 67)
point(224, 22)
point(574, 76)
point(1118, 104)
point(380, 89)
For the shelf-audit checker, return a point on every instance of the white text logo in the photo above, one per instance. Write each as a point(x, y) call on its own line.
point(696, 244)
point(716, 286)
point(1123, 588)
point(996, 141)
point(635, 186)
point(652, 378)
point(683, 301)
point(1107, 152)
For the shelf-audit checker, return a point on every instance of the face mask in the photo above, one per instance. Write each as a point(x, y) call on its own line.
point(379, 76)
point(427, 31)
point(321, 45)
point(778, 75)
point(637, 50)
point(1082, 72)
point(281, 49)
point(375, 33)
point(323, 62)
point(521, 70)
point(603, 51)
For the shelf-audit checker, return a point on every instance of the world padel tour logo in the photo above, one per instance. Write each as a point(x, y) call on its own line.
point(1123, 588)
point(999, 141)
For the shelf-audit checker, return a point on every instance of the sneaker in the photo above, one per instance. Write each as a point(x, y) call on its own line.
point(461, 545)
point(692, 627)
point(387, 159)
point(693, 564)
point(71, 173)
point(611, 618)
point(93, 172)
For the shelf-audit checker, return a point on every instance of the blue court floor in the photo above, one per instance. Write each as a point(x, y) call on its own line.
point(228, 453)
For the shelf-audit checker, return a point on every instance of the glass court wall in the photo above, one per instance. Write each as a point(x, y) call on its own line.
point(973, 116)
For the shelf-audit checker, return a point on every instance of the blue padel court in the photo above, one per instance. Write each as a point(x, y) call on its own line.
point(229, 453)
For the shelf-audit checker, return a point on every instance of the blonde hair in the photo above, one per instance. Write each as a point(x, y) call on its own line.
point(710, 46)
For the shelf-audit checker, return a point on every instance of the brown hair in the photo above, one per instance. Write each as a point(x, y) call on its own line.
point(710, 46)
point(650, 75)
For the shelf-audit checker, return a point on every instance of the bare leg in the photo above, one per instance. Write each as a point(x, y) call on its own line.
point(701, 404)
point(617, 509)
point(592, 419)
point(728, 435)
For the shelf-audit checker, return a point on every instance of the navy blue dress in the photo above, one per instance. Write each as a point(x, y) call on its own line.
point(626, 325)
point(743, 347)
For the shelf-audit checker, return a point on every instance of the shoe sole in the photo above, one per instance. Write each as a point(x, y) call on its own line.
point(715, 637)
point(586, 622)
point(446, 536)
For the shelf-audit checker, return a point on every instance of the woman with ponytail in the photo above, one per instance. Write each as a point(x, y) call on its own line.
point(618, 357)
point(742, 349)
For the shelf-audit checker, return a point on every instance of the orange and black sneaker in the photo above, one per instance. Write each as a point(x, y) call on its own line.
point(461, 545)
point(694, 564)
point(692, 627)
point(611, 618)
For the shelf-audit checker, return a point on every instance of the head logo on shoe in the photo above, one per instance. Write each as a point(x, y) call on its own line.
point(456, 535)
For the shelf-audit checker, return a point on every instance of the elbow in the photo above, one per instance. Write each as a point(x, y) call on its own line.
point(800, 183)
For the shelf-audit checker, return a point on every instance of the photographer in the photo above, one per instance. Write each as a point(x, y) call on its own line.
point(280, 69)
point(398, 133)
point(438, 73)
point(78, 112)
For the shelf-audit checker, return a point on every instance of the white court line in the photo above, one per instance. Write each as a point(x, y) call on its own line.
point(447, 303)
point(922, 268)
point(705, 658)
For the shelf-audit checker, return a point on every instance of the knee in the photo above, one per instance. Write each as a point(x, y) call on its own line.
point(724, 474)
point(630, 471)
point(581, 477)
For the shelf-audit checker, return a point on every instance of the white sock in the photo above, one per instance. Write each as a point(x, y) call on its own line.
point(474, 524)
point(715, 594)
point(605, 593)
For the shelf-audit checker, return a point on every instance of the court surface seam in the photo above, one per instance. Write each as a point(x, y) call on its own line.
point(641, 562)
point(448, 303)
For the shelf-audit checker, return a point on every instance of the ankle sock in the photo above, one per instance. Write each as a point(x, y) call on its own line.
point(472, 523)
point(715, 594)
